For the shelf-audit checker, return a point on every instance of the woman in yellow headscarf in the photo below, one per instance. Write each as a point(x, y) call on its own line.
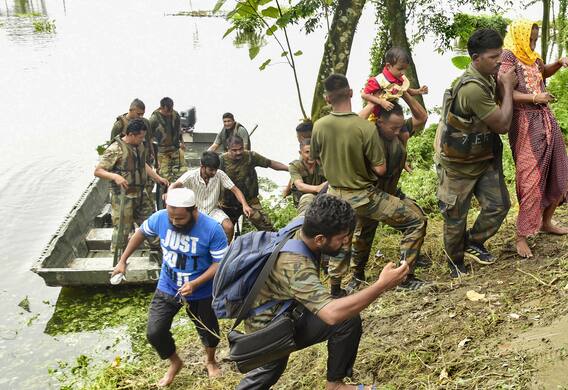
point(535, 137)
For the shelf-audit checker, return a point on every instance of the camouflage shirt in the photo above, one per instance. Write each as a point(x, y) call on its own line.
point(119, 127)
point(166, 131)
point(299, 171)
point(112, 161)
point(293, 277)
point(395, 156)
point(243, 174)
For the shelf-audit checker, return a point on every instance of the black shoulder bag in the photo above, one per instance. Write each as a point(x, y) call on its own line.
point(275, 341)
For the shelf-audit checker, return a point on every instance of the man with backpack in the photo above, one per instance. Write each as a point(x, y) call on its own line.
point(230, 128)
point(192, 245)
point(469, 151)
point(327, 225)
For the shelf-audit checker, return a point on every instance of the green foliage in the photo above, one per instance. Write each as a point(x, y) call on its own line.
point(508, 164)
point(44, 25)
point(461, 62)
point(420, 148)
point(102, 147)
point(253, 21)
point(280, 211)
point(465, 24)
point(421, 185)
point(451, 30)
point(558, 86)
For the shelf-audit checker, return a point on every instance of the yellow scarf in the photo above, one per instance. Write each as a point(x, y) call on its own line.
point(518, 39)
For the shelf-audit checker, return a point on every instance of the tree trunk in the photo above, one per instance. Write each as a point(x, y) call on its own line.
point(396, 23)
point(337, 48)
point(561, 22)
point(544, 35)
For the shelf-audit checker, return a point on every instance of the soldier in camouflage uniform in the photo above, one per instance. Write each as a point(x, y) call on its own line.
point(239, 165)
point(408, 216)
point(166, 128)
point(328, 224)
point(352, 156)
point(136, 110)
point(230, 128)
point(307, 178)
point(125, 163)
point(469, 150)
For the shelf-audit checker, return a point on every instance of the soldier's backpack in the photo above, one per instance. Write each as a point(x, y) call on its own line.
point(242, 265)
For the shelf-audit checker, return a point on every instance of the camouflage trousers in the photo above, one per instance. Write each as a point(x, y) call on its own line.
point(454, 195)
point(372, 207)
point(136, 210)
point(305, 202)
point(258, 217)
point(171, 165)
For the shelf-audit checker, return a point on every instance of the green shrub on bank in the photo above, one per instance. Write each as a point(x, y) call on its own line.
point(420, 148)
point(558, 86)
point(421, 185)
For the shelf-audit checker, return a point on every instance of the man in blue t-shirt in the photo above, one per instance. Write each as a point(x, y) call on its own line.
point(192, 245)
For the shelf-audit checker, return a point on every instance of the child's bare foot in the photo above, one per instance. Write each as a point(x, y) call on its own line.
point(175, 366)
point(523, 247)
point(213, 369)
point(554, 229)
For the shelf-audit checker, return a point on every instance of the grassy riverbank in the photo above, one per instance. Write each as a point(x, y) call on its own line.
point(427, 340)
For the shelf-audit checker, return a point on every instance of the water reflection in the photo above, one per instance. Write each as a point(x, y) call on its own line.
point(25, 8)
point(20, 21)
point(250, 38)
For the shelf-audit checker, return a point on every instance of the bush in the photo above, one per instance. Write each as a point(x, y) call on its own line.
point(421, 148)
point(421, 185)
point(558, 86)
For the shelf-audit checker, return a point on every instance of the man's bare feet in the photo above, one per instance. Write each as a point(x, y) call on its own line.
point(523, 247)
point(554, 229)
point(213, 369)
point(175, 366)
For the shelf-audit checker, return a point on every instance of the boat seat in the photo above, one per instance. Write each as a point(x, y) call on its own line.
point(99, 239)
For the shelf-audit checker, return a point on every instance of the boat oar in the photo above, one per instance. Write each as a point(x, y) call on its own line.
point(118, 240)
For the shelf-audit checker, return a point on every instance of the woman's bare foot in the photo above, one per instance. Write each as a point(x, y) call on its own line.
point(175, 366)
point(523, 247)
point(554, 229)
point(213, 369)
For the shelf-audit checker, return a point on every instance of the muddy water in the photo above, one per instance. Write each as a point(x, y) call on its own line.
point(550, 345)
point(59, 96)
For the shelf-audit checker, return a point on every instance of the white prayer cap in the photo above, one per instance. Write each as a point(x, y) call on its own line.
point(180, 197)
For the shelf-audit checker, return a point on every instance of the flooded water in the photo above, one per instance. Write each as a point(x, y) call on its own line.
point(60, 94)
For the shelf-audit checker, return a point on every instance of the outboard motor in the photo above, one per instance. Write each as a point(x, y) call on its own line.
point(188, 119)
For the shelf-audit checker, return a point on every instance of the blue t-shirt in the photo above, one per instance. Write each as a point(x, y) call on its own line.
point(186, 255)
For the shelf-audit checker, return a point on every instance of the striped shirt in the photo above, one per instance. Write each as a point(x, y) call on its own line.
point(206, 195)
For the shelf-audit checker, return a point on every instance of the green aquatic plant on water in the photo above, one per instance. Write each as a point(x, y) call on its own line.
point(44, 25)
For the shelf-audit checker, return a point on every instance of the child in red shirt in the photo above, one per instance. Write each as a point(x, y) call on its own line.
point(390, 84)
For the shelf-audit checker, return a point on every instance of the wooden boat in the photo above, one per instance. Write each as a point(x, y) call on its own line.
point(78, 254)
